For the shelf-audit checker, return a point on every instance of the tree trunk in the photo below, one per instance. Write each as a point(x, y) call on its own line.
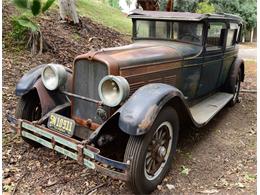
point(68, 11)
point(252, 35)
point(243, 39)
point(152, 5)
point(169, 7)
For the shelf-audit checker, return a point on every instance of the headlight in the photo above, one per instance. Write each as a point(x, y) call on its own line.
point(113, 90)
point(54, 76)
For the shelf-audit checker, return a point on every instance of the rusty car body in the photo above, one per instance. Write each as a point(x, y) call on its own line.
point(182, 67)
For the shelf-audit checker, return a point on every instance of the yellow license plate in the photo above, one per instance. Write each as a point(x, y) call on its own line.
point(62, 124)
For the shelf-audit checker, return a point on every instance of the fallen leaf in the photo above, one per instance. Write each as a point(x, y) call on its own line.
point(240, 185)
point(159, 187)
point(7, 181)
point(250, 177)
point(6, 193)
point(184, 170)
point(212, 191)
point(170, 186)
point(8, 188)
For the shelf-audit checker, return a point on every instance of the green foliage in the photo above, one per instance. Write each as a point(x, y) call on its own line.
point(205, 7)
point(26, 26)
point(163, 4)
point(244, 8)
point(47, 5)
point(18, 33)
point(248, 12)
point(185, 5)
point(30, 9)
point(36, 7)
point(28, 23)
point(228, 6)
point(114, 3)
point(23, 4)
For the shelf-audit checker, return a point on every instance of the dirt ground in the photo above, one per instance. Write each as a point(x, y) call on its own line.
point(217, 159)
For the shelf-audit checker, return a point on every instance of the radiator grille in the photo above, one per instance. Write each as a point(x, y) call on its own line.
point(87, 77)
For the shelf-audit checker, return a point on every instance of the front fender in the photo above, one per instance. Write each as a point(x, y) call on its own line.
point(139, 112)
point(49, 99)
point(26, 83)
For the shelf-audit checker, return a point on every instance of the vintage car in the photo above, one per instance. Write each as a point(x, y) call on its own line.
point(120, 110)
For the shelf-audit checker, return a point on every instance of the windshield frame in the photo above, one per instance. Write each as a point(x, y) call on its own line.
point(134, 30)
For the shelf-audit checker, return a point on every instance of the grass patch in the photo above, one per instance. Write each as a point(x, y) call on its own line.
point(105, 15)
point(76, 37)
point(250, 62)
point(250, 67)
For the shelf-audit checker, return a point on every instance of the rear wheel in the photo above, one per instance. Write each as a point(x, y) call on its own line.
point(235, 89)
point(29, 108)
point(151, 155)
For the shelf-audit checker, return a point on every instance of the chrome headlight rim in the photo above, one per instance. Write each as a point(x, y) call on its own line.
point(59, 78)
point(122, 85)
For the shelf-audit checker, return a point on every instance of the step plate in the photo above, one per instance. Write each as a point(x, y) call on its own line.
point(208, 108)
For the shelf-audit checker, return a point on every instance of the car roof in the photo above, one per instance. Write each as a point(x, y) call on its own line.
point(187, 16)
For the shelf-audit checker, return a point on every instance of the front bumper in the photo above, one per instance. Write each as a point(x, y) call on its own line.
point(84, 154)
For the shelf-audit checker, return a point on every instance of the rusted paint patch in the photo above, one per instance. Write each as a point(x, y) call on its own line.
point(149, 118)
point(47, 103)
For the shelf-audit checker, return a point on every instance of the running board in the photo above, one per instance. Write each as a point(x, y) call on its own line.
point(205, 110)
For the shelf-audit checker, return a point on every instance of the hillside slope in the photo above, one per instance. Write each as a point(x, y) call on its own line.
point(104, 14)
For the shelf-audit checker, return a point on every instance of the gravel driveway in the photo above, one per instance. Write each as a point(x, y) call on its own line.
point(248, 53)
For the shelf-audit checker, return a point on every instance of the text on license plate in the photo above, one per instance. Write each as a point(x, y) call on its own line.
point(61, 124)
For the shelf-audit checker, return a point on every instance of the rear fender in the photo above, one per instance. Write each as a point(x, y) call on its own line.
point(31, 81)
point(236, 66)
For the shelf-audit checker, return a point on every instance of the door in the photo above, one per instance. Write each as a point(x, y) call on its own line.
point(213, 58)
point(230, 53)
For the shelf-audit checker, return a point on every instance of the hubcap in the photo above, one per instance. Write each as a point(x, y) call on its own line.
point(158, 151)
point(162, 151)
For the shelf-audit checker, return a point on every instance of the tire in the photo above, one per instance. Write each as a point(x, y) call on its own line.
point(29, 108)
point(235, 89)
point(142, 179)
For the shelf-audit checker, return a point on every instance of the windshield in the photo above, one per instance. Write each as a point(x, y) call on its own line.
point(177, 31)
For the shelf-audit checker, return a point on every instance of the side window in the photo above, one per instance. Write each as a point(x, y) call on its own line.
point(143, 28)
point(232, 34)
point(187, 32)
point(215, 37)
point(161, 30)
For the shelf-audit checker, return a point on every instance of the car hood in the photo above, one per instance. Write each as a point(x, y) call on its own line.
point(145, 52)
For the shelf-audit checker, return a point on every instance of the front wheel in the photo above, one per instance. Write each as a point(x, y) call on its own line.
point(151, 155)
point(29, 108)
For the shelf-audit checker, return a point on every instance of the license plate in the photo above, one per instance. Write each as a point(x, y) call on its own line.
point(61, 124)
